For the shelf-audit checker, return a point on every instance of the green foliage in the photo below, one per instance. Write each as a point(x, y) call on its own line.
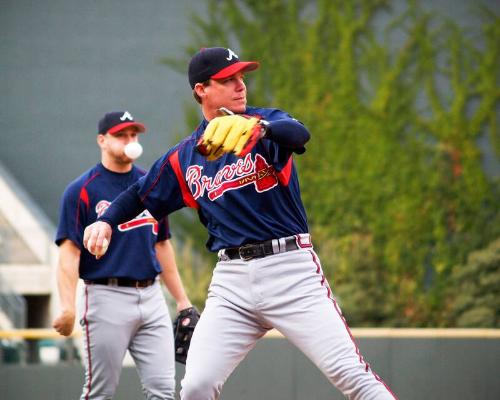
point(392, 179)
point(476, 289)
point(194, 271)
point(362, 297)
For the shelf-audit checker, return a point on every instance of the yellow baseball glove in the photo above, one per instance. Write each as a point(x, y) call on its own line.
point(230, 134)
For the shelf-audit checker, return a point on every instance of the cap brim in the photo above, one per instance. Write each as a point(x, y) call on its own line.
point(117, 128)
point(245, 66)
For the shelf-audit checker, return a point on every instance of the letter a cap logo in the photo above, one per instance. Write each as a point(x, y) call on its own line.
point(126, 115)
point(231, 55)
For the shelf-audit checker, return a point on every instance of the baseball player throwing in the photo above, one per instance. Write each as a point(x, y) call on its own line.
point(122, 306)
point(237, 170)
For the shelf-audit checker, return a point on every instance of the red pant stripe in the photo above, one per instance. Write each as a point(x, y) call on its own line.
point(89, 385)
point(337, 309)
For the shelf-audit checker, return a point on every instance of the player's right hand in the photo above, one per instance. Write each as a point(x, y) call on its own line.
point(97, 237)
point(64, 323)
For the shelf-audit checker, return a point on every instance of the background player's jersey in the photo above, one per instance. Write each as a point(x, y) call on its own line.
point(239, 200)
point(131, 253)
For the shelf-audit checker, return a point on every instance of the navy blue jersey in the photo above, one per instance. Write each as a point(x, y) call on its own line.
point(131, 253)
point(239, 200)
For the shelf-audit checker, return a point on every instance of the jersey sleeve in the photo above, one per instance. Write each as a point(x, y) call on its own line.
point(280, 156)
point(159, 189)
point(163, 230)
point(73, 215)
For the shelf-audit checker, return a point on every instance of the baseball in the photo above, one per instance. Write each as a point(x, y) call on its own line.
point(133, 150)
point(105, 244)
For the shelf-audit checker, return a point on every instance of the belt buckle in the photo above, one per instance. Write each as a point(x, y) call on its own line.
point(223, 256)
point(113, 281)
point(247, 257)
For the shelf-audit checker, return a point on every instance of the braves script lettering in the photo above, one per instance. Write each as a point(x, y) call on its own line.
point(243, 172)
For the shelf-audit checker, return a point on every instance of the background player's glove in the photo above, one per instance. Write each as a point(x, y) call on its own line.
point(230, 133)
point(184, 325)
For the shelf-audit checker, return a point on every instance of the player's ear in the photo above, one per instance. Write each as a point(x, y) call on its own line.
point(100, 140)
point(199, 91)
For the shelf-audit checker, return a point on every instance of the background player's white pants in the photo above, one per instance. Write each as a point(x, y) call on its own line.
point(288, 292)
point(115, 319)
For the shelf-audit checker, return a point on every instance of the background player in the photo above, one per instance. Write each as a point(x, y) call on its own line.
point(122, 306)
point(246, 191)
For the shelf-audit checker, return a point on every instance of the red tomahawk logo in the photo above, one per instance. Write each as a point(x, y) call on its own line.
point(264, 179)
point(137, 222)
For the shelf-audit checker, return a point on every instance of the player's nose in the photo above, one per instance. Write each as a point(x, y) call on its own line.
point(130, 139)
point(240, 85)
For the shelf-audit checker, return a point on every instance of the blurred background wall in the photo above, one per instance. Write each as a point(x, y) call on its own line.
point(64, 63)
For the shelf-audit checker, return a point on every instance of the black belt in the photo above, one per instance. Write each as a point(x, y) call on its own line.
point(121, 282)
point(261, 249)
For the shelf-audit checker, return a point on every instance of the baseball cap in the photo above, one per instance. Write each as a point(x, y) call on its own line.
point(115, 121)
point(216, 63)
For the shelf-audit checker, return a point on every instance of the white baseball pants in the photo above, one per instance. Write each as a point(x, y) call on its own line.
point(115, 319)
point(286, 291)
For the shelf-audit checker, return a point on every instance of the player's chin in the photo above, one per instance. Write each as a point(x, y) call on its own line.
point(239, 107)
point(125, 159)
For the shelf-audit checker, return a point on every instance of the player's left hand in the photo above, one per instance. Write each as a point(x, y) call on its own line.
point(234, 133)
point(184, 325)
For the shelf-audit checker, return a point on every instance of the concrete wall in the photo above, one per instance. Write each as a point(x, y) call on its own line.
point(64, 63)
point(416, 369)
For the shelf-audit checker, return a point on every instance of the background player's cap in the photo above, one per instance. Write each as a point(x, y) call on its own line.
point(115, 121)
point(216, 63)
